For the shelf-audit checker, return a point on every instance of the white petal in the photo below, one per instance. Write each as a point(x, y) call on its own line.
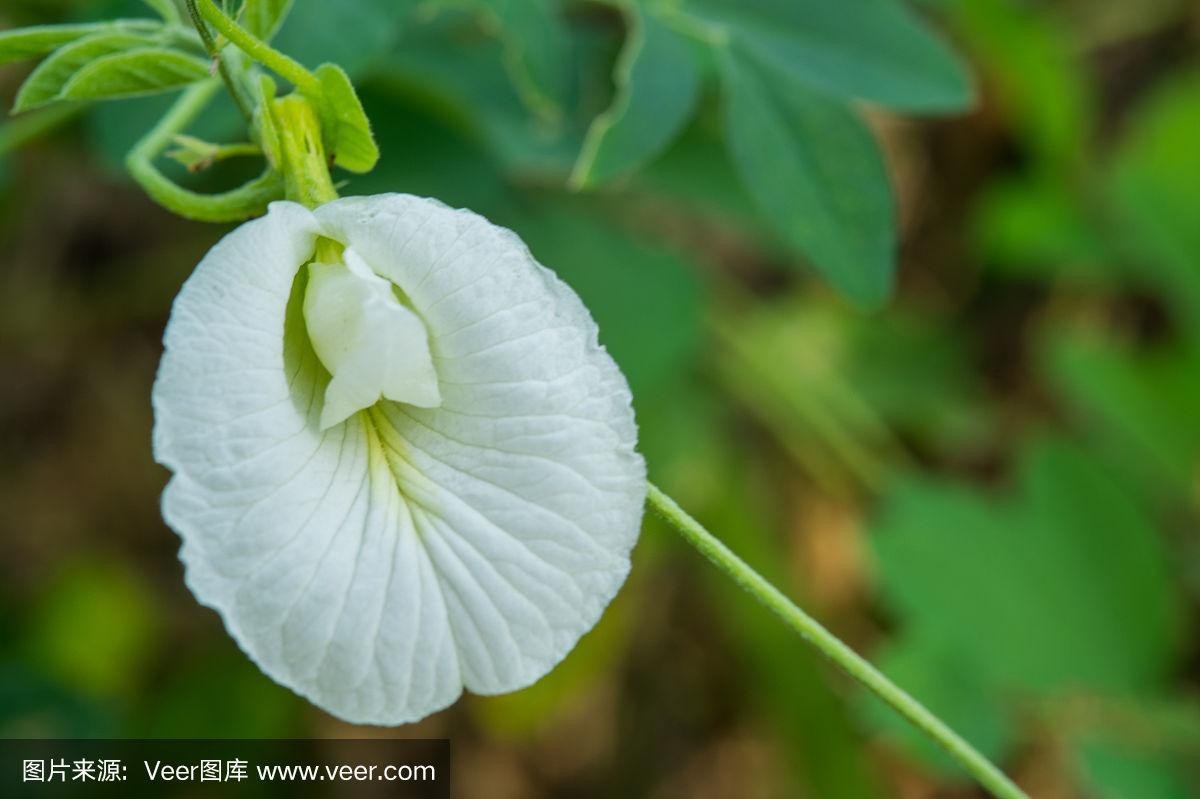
point(382, 564)
point(372, 345)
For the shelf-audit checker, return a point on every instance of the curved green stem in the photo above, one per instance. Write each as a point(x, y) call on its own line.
point(833, 648)
point(214, 52)
point(231, 206)
point(257, 49)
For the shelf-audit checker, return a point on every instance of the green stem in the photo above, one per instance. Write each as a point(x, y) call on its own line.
point(214, 52)
point(231, 206)
point(257, 49)
point(833, 648)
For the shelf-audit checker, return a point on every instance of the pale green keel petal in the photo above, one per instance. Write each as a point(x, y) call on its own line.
point(380, 564)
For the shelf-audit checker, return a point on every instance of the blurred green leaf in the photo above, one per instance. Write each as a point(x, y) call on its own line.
point(263, 18)
point(1064, 586)
point(354, 34)
point(1141, 405)
point(536, 49)
point(47, 82)
point(1040, 228)
point(873, 49)
point(658, 84)
point(954, 688)
point(147, 70)
point(1113, 771)
point(697, 176)
point(815, 171)
point(1031, 60)
point(22, 43)
point(95, 628)
point(352, 146)
point(166, 9)
point(1061, 589)
point(459, 75)
point(1155, 187)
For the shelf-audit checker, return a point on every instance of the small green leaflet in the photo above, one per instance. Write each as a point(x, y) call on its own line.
point(871, 49)
point(143, 71)
point(658, 83)
point(816, 174)
point(46, 82)
point(263, 18)
point(17, 45)
point(351, 143)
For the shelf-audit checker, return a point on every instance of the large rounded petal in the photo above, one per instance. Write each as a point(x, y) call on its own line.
point(383, 564)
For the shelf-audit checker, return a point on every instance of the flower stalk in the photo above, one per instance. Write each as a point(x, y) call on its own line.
point(832, 647)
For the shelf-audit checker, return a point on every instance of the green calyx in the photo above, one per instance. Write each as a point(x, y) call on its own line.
point(303, 161)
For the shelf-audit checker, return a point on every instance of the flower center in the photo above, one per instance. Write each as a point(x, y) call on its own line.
point(372, 344)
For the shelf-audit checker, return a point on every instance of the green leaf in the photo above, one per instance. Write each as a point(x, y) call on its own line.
point(350, 141)
point(535, 49)
point(954, 689)
point(147, 70)
point(1155, 188)
point(1140, 406)
point(462, 78)
point(1116, 771)
point(264, 18)
point(1063, 587)
point(1038, 73)
point(17, 45)
point(165, 9)
point(1037, 227)
point(354, 34)
point(814, 169)
point(658, 83)
point(45, 84)
point(873, 49)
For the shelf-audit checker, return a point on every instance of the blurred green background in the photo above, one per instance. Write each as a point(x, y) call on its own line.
point(991, 486)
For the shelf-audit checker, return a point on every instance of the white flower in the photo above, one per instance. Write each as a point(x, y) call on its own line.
point(454, 509)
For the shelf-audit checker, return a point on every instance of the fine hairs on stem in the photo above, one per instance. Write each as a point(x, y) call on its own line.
point(829, 645)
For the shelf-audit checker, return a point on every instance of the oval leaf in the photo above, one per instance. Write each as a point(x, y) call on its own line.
point(16, 45)
point(46, 82)
point(874, 49)
point(144, 71)
point(658, 83)
point(347, 128)
point(814, 169)
point(263, 18)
